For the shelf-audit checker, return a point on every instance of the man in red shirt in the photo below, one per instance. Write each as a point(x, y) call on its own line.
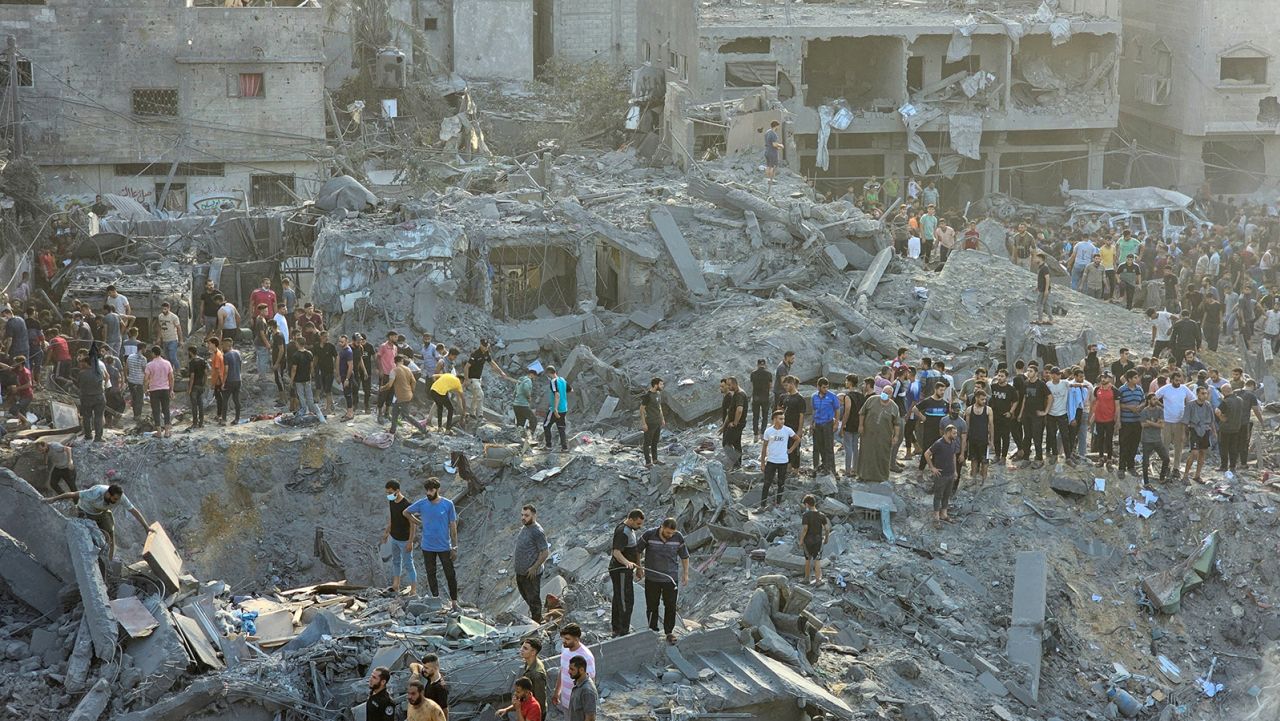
point(1103, 418)
point(59, 355)
point(22, 391)
point(264, 294)
point(523, 703)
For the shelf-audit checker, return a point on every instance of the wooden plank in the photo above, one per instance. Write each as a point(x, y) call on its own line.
point(196, 639)
point(162, 556)
point(134, 616)
point(275, 628)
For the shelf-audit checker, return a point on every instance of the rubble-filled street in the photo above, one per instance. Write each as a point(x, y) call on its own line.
point(537, 359)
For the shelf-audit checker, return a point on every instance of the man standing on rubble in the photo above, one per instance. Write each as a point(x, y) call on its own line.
point(826, 408)
point(793, 407)
point(651, 421)
point(878, 437)
point(262, 339)
point(624, 558)
point(473, 371)
point(733, 418)
point(772, 151)
point(779, 375)
point(531, 552)
point(1044, 311)
point(536, 672)
point(92, 384)
point(158, 378)
point(583, 698)
point(522, 404)
point(663, 551)
point(263, 295)
point(439, 521)
point(760, 406)
point(400, 531)
point(943, 457)
point(379, 706)
point(95, 503)
point(302, 363)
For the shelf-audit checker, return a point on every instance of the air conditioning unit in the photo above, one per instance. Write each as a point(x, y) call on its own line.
point(389, 69)
point(1153, 89)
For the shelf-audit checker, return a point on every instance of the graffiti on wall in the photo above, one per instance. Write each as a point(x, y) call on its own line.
point(142, 196)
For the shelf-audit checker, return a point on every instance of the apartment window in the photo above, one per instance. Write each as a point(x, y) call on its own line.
point(186, 170)
point(684, 67)
point(671, 59)
point(266, 190)
point(155, 101)
point(750, 74)
point(25, 77)
point(431, 24)
point(1242, 71)
point(756, 46)
point(247, 85)
point(1164, 60)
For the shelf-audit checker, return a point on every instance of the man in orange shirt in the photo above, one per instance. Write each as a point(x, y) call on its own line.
point(218, 378)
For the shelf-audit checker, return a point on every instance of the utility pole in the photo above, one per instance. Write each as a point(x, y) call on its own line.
point(16, 118)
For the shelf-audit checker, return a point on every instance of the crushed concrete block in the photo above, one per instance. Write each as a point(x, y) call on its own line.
point(160, 656)
point(733, 554)
point(871, 278)
point(724, 639)
point(772, 644)
point(992, 685)
point(833, 506)
point(798, 599)
point(982, 664)
point(957, 663)
point(836, 257)
point(81, 658)
point(1002, 713)
point(1021, 693)
point(920, 712)
point(94, 703)
point(1166, 588)
point(855, 255)
point(625, 654)
point(607, 409)
point(732, 536)
point(758, 610)
point(753, 229)
point(780, 557)
point(85, 542)
point(697, 538)
point(26, 578)
point(1067, 485)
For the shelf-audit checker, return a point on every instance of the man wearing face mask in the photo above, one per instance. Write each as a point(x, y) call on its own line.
point(400, 531)
point(878, 436)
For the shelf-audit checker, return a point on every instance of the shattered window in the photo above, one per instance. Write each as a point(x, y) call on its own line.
point(1242, 71)
point(270, 190)
point(750, 74)
point(155, 101)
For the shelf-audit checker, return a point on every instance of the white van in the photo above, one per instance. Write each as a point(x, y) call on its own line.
point(1139, 209)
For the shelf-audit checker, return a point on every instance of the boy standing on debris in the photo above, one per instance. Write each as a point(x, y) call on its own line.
point(815, 529)
point(663, 551)
point(942, 457)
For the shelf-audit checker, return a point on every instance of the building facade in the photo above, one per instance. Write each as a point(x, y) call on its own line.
point(1015, 103)
point(205, 106)
point(1198, 105)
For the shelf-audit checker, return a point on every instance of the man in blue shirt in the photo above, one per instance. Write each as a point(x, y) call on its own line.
point(557, 409)
point(1130, 398)
point(439, 523)
point(826, 405)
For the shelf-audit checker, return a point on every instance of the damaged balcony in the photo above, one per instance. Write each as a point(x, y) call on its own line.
point(1077, 78)
point(875, 82)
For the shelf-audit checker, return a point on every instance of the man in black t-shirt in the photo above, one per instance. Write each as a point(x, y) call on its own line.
point(209, 306)
point(1003, 397)
point(793, 407)
point(197, 376)
point(733, 418)
point(302, 363)
point(814, 531)
point(623, 559)
point(1035, 405)
point(400, 532)
point(1044, 312)
point(473, 372)
point(761, 382)
point(326, 357)
point(930, 412)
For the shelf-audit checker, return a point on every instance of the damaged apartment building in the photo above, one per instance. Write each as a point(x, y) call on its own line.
point(1011, 97)
point(1198, 97)
point(185, 105)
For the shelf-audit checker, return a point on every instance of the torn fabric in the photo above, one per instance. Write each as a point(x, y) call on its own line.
point(966, 134)
point(962, 39)
point(977, 82)
point(823, 159)
point(949, 166)
point(924, 159)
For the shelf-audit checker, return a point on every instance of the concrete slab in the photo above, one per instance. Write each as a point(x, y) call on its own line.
point(83, 538)
point(1030, 584)
point(957, 663)
point(853, 253)
point(393, 657)
point(160, 656)
point(133, 616)
point(27, 579)
point(781, 557)
point(627, 654)
point(607, 408)
point(94, 703)
point(753, 229)
point(1067, 485)
point(30, 521)
point(686, 265)
point(162, 556)
point(992, 685)
point(871, 279)
point(836, 257)
point(80, 660)
point(646, 318)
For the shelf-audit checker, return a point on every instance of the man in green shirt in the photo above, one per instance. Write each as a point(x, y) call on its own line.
point(1126, 246)
point(534, 670)
point(522, 403)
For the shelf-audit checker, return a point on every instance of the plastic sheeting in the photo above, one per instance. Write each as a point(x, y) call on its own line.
point(825, 115)
point(962, 39)
point(344, 192)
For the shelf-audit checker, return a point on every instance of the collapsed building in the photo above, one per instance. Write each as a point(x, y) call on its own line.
point(1014, 100)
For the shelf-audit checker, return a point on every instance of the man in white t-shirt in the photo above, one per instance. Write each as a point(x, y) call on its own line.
point(1056, 419)
point(779, 442)
point(96, 504)
point(571, 637)
point(1175, 396)
point(1161, 326)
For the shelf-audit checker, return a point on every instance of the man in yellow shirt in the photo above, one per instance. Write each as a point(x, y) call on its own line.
point(443, 385)
point(1108, 251)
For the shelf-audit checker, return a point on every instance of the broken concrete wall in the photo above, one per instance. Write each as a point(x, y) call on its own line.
point(25, 578)
point(33, 523)
point(493, 39)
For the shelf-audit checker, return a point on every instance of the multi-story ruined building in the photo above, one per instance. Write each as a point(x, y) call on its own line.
point(1004, 97)
point(216, 104)
point(1198, 96)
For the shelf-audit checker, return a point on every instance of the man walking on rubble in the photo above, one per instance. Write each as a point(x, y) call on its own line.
point(95, 503)
point(522, 404)
point(557, 409)
point(439, 521)
point(531, 552)
point(1044, 311)
point(663, 550)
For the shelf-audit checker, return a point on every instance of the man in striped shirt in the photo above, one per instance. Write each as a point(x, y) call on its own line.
point(135, 369)
point(1130, 398)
